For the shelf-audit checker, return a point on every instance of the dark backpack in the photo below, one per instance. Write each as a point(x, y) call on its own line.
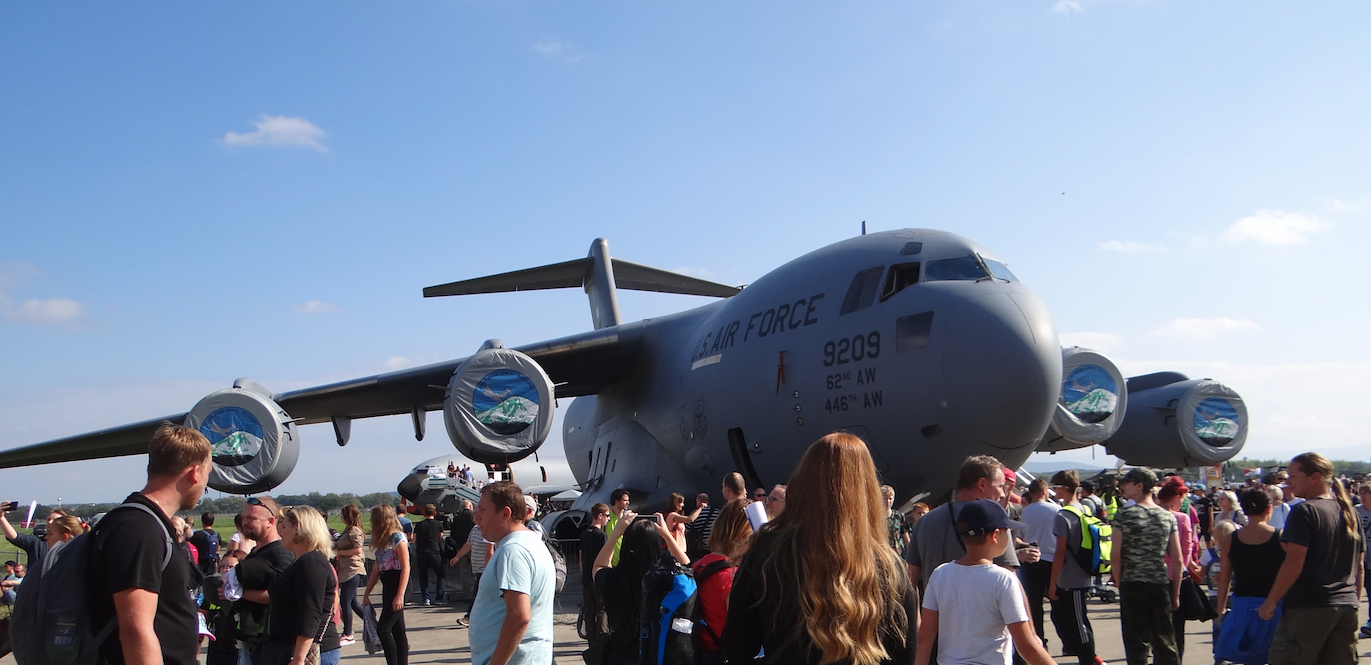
point(699, 627)
point(665, 620)
point(52, 624)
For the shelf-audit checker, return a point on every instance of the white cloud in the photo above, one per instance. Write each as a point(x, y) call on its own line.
point(1067, 7)
point(1130, 247)
point(315, 307)
point(46, 311)
point(1336, 206)
point(1204, 328)
point(558, 49)
point(281, 130)
point(34, 311)
point(1275, 227)
point(1102, 342)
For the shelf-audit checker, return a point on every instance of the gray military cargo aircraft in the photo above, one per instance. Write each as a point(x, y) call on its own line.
point(921, 342)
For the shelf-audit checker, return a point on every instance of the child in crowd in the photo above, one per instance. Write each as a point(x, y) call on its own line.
point(973, 607)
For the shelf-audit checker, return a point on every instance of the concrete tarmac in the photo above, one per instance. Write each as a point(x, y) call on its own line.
point(435, 638)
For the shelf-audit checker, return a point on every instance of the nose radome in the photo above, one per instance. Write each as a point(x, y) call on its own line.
point(1002, 368)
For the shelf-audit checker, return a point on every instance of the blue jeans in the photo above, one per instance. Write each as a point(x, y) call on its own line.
point(330, 657)
point(347, 596)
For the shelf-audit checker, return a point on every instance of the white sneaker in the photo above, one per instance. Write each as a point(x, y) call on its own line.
point(347, 642)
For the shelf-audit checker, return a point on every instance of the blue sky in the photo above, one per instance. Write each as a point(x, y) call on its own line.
point(193, 193)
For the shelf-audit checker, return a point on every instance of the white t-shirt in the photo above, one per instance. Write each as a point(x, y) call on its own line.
point(975, 604)
point(1040, 516)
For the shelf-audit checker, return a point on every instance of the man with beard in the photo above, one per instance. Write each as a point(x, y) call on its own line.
point(129, 572)
point(256, 573)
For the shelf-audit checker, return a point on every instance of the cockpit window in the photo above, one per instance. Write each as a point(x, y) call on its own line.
point(900, 277)
point(863, 290)
point(960, 268)
point(999, 270)
point(911, 248)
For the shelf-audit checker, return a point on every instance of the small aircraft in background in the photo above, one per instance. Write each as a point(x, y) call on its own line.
point(921, 342)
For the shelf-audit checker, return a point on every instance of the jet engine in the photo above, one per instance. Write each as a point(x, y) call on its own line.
point(498, 406)
point(1091, 407)
point(255, 445)
point(1175, 421)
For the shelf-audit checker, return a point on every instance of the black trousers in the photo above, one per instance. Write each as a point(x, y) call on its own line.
point(431, 561)
point(1073, 624)
point(391, 626)
point(1035, 577)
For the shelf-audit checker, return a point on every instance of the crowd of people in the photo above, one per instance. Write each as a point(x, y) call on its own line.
point(841, 576)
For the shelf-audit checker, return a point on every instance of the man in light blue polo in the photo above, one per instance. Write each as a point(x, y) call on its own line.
point(511, 619)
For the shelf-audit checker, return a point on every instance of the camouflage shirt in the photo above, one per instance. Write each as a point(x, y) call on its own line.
point(899, 527)
point(1146, 533)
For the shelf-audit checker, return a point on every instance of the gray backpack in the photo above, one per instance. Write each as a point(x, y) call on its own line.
point(52, 624)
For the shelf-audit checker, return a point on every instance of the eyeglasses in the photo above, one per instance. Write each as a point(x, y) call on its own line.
point(759, 496)
point(772, 499)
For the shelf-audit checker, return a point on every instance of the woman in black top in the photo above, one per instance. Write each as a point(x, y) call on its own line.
point(1250, 562)
point(807, 594)
point(1254, 553)
point(304, 596)
point(620, 587)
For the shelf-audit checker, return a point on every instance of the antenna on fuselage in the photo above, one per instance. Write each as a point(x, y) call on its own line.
point(863, 227)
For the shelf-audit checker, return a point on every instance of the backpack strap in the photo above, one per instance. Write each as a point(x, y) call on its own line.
point(700, 577)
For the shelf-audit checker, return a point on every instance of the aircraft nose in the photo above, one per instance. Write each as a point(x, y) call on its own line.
point(1002, 368)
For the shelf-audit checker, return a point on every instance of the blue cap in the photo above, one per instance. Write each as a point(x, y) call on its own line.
point(983, 516)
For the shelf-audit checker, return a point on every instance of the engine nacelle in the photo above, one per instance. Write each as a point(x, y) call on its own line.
point(1091, 407)
point(498, 406)
point(255, 445)
point(1175, 421)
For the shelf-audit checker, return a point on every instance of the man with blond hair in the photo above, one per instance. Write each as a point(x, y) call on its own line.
point(131, 578)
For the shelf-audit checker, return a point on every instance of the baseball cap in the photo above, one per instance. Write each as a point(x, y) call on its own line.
point(1138, 474)
point(983, 516)
point(530, 502)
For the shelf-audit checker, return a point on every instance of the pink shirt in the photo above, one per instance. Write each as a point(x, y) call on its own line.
point(1186, 531)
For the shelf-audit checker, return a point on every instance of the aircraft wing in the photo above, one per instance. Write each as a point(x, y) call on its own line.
point(578, 365)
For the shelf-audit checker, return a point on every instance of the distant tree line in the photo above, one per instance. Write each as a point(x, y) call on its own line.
point(228, 506)
point(1233, 469)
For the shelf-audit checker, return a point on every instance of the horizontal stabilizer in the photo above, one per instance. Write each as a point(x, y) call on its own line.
point(575, 274)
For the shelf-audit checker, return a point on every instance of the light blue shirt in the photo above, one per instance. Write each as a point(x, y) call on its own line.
point(521, 564)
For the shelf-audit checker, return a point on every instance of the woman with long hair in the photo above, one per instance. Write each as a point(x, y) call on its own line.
point(820, 583)
point(620, 587)
point(351, 567)
point(714, 574)
point(1252, 557)
point(392, 570)
point(304, 596)
point(676, 516)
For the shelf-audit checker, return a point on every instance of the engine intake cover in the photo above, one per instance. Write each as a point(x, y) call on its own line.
point(1092, 403)
point(498, 406)
point(255, 442)
point(1180, 423)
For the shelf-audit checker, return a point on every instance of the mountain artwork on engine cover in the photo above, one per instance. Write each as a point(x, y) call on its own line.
point(1216, 421)
point(1090, 394)
point(506, 401)
point(235, 435)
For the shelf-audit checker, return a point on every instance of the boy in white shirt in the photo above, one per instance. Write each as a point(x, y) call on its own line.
point(973, 607)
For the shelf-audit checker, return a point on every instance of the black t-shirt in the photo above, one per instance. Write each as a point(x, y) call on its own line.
point(1329, 575)
point(257, 571)
point(302, 599)
point(592, 540)
point(428, 536)
point(36, 548)
point(462, 522)
point(128, 549)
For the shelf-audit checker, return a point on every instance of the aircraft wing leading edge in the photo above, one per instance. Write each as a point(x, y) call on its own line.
point(578, 365)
